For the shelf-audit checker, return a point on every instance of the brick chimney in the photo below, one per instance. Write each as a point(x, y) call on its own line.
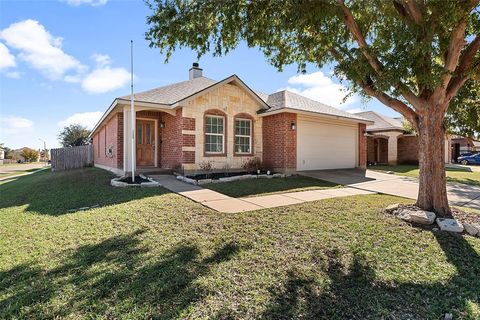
point(195, 71)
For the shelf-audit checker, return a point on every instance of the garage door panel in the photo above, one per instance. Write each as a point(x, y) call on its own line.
point(322, 145)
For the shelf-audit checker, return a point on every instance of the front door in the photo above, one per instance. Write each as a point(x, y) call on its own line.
point(145, 142)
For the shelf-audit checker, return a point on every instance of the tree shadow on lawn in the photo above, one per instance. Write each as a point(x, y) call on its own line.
point(352, 292)
point(55, 193)
point(111, 279)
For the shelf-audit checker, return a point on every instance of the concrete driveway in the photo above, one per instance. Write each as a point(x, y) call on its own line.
point(458, 194)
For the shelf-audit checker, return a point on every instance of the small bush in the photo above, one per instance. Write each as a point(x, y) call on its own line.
point(206, 166)
point(253, 164)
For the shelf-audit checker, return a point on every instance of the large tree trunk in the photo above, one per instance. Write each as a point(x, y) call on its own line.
point(432, 193)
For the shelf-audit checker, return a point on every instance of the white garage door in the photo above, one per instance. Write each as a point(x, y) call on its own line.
point(324, 145)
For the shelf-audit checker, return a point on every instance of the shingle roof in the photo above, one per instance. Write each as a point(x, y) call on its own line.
point(287, 99)
point(173, 93)
point(170, 94)
point(382, 122)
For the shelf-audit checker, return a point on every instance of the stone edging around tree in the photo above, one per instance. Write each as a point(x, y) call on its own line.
point(415, 215)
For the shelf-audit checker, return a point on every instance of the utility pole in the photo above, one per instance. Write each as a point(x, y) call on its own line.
point(132, 113)
point(44, 151)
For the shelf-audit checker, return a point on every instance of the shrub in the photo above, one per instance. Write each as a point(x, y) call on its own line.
point(206, 166)
point(253, 164)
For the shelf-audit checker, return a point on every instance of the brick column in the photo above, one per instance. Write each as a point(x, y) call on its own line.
point(362, 146)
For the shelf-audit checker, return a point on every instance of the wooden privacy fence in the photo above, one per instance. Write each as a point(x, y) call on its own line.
point(72, 157)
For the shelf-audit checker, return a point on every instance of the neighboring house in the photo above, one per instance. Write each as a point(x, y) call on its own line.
point(461, 145)
point(387, 142)
point(17, 155)
point(186, 124)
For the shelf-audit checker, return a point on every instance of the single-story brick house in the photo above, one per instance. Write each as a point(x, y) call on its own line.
point(187, 124)
point(388, 143)
point(461, 145)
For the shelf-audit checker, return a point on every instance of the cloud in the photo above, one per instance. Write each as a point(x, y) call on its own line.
point(87, 119)
point(93, 3)
point(13, 125)
point(40, 49)
point(105, 78)
point(7, 60)
point(321, 88)
point(13, 74)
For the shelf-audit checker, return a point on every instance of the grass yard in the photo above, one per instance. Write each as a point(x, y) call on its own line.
point(261, 187)
point(453, 174)
point(148, 253)
point(18, 172)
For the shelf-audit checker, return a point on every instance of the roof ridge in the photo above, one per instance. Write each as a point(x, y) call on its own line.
point(167, 86)
point(386, 118)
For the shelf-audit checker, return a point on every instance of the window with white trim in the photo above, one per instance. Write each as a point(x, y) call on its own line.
point(243, 136)
point(214, 134)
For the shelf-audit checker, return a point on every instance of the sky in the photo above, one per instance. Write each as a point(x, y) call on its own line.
point(65, 61)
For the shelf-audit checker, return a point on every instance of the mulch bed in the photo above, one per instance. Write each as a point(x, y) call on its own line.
point(218, 175)
point(137, 180)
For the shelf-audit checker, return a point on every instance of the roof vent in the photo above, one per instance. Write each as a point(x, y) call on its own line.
point(195, 71)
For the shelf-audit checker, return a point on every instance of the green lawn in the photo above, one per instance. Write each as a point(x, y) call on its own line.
point(148, 253)
point(17, 173)
point(453, 174)
point(261, 187)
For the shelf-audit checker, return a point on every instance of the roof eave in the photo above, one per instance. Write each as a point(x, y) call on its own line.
point(318, 114)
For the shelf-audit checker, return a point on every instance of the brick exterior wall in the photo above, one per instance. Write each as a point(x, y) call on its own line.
point(120, 141)
point(188, 123)
point(172, 140)
point(188, 140)
point(362, 146)
point(280, 142)
point(408, 150)
point(188, 157)
point(105, 137)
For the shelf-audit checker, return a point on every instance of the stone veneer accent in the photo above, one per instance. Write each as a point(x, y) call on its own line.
point(280, 142)
point(230, 101)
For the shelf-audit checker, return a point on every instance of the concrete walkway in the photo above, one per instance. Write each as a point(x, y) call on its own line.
point(470, 168)
point(223, 203)
point(458, 194)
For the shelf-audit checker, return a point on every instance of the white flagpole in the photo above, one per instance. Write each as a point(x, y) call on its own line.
point(132, 113)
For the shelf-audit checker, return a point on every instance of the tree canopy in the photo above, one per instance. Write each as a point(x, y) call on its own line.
point(396, 51)
point(74, 135)
point(414, 56)
point(30, 155)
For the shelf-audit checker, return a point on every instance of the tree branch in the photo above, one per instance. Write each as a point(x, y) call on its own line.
point(466, 64)
point(414, 10)
point(408, 10)
point(393, 103)
point(453, 53)
point(359, 38)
